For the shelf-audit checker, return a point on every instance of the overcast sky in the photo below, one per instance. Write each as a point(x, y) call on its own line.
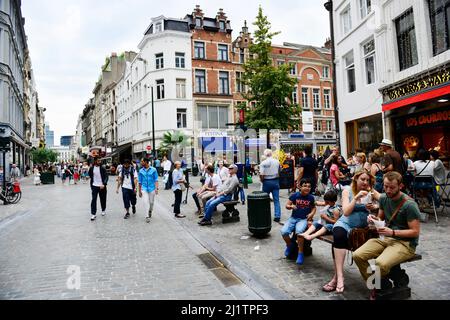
point(70, 39)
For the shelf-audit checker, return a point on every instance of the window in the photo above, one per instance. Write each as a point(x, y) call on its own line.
point(159, 89)
point(280, 63)
point(223, 52)
point(365, 7)
point(198, 22)
point(179, 60)
point(213, 117)
point(295, 96)
point(318, 125)
point(305, 98)
point(159, 61)
point(369, 60)
point(241, 55)
point(326, 72)
point(329, 125)
point(181, 118)
point(406, 40)
point(222, 25)
point(440, 25)
point(199, 50)
point(158, 27)
point(293, 69)
point(316, 98)
point(224, 84)
point(200, 81)
point(350, 72)
point(239, 84)
point(346, 21)
point(181, 88)
point(327, 98)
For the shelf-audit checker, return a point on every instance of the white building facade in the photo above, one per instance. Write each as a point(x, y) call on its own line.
point(391, 63)
point(164, 64)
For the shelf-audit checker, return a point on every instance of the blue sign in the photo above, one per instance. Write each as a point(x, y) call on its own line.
point(296, 136)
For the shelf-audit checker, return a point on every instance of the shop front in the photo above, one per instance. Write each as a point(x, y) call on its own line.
point(418, 113)
point(364, 134)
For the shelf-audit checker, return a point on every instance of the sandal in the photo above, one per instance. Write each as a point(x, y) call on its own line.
point(330, 286)
point(340, 289)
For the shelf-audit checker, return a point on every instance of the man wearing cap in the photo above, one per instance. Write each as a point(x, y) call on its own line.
point(224, 194)
point(396, 160)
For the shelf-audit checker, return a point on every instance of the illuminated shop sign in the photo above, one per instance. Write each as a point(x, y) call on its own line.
point(428, 119)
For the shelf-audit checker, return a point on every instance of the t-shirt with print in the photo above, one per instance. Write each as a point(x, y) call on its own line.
point(408, 212)
point(304, 204)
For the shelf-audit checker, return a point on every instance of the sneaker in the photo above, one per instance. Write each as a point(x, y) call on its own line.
point(147, 219)
point(288, 250)
point(134, 209)
point(93, 217)
point(201, 215)
point(149, 214)
point(276, 219)
point(300, 258)
point(126, 216)
point(205, 223)
point(103, 213)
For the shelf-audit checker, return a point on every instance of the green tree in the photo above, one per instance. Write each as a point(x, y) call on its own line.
point(42, 156)
point(270, 87)
point(171, 140)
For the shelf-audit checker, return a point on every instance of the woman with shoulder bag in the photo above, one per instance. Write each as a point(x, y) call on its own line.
point(357, 205)
point(177, 188)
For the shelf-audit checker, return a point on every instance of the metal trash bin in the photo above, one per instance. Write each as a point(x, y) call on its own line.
point(259, 213)
point(47, 178)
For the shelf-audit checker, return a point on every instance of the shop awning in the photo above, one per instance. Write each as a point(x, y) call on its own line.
point(217, 144)
point(120, 150)
point(416, 98)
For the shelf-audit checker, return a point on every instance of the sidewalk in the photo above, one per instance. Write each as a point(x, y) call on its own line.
point(260, 263)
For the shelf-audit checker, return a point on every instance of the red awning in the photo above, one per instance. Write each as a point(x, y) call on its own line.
point(432, 94)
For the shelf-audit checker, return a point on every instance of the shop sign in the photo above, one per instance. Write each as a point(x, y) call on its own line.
point(439, 78)
point(425, 119)
point(213, 134)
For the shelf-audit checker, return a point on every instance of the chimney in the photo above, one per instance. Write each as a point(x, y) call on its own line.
point(328, 43)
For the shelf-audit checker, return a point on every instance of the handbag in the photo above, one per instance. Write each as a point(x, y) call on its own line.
point(183, 186)
point(359, 236)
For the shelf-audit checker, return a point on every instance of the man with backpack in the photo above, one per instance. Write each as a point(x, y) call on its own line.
point(128, 181)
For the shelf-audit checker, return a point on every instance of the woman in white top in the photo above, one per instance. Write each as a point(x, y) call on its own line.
point(223, 172)
point(37, 176)
point(424, 166)
point(439, 168)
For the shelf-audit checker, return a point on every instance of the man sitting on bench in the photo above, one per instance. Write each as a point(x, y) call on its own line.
point(207, 191)
point(224, 194)
point(398, 240)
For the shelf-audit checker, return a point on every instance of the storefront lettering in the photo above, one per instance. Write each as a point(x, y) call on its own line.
point(419, 85)
point(428, 119)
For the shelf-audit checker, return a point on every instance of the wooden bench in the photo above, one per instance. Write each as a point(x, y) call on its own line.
point(400, 279)
point(231, 214)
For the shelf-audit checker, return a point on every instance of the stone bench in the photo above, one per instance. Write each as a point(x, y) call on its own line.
point(231, 214)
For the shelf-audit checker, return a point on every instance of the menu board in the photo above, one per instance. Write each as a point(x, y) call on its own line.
point(287, 175)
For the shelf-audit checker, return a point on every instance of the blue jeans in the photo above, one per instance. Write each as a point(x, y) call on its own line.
point(297, 224)
point(273, 186)
point(428, 186)
point(212, 204)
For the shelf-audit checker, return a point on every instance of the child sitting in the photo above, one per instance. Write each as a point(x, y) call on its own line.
point(303, 209)
point(320, 228)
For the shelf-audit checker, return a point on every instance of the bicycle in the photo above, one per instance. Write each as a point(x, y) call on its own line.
point(12, 194)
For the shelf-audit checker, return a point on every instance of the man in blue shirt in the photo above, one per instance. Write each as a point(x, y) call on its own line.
point(303, 209)
point(148, 186)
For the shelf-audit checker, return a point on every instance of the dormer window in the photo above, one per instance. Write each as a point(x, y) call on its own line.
point(158, 27)
point(198, 22)
point(222, 25)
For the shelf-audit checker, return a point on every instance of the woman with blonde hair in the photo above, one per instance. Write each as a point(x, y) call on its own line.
point(357, 205)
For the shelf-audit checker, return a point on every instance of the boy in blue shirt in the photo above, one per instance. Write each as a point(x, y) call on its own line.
point(303, 209)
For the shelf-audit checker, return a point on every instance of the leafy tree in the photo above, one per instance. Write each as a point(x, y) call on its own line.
point(270, 87)
point(173, 139)
point(42, 156)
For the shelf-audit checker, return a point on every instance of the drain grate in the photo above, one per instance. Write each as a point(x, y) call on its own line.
point(226, 277)
point(210, 261)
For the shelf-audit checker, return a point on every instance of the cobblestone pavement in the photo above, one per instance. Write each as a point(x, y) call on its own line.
point(50, 230)
point(127, 259)
point(261, 262)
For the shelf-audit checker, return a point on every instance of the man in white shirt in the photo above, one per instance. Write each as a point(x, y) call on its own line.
point(167, 166)
point(212, 184)
point(99, 180)
point(223, 171)
point(270, 177)
point(128, 181)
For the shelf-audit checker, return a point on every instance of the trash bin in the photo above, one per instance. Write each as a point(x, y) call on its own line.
point(47, 178)
point(259, 214)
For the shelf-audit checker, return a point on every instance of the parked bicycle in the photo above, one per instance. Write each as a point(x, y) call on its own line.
point(12, 194)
